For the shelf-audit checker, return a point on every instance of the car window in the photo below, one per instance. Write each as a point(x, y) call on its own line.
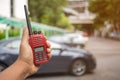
point(13, 44)
point(55, 45)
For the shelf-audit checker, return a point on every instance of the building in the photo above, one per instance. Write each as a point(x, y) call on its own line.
point(78, 13)
point(82, 13)
point(12, 8)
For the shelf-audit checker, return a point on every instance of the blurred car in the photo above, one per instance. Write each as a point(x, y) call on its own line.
point(77, 39)
point(114, 35)
point(64, 59)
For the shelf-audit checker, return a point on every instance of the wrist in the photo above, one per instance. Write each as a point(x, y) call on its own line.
point(25, 68)
point(17, 71)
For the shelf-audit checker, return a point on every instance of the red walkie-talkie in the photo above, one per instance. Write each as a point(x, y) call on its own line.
point(37, 42)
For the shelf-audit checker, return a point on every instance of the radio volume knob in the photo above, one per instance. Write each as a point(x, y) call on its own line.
point(39, 32)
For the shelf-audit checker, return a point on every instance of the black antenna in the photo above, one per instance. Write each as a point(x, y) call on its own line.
point(28, 21)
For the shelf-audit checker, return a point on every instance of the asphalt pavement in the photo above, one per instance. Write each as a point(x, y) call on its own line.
point(107, 54)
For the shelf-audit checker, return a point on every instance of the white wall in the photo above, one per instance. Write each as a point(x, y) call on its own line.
point(19, 8)
point(5, 8)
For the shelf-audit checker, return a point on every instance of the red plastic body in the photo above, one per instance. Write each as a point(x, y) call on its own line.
point(36, 41)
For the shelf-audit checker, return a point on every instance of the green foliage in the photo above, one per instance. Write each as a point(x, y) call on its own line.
point(64, 22)
point(49, 12)
point(12, 33)
point(2, 35)
point(105, 10)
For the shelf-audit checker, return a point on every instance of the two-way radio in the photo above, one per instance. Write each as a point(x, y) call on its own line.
point(37, 42)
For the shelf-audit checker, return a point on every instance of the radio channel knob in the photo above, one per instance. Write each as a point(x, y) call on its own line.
point(35, 32)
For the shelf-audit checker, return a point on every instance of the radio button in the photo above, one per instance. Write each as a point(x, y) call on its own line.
point(35, 32)
point(39, 32)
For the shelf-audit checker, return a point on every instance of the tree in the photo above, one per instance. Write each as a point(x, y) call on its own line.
point(105, 10)
point(48, 12)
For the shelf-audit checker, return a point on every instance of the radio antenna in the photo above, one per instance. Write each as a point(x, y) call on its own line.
point(28, 21)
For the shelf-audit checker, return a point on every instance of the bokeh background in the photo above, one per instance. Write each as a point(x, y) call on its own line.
point(97, 22)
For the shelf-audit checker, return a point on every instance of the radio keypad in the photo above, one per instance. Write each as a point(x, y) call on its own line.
point(40, 56)
point(44, 56)
point(37, 57)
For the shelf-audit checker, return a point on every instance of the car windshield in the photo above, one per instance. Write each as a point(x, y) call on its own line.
point(2, 41)
point(55, 45)
point(12, 43)
point(15, 43)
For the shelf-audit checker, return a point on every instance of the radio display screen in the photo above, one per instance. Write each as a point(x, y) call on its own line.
point(39, 49)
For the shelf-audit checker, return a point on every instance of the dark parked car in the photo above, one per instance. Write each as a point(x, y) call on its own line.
point(64, 58)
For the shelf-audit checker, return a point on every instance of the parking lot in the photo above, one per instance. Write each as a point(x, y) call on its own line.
point(107, 53)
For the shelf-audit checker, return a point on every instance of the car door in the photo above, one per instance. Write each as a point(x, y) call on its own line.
point(57, 63)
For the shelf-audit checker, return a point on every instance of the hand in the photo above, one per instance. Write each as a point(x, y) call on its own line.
point(26, 54)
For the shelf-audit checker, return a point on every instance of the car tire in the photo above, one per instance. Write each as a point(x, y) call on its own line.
point(78, 67)
point(2, 67)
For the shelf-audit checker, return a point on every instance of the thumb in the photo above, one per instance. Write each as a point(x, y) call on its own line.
point(25, 36)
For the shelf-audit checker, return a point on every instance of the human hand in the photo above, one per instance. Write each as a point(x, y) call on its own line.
point(26, 55)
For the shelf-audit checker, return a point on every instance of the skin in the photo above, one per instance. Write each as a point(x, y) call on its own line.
point(23, 66)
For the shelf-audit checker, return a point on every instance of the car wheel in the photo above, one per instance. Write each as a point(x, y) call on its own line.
point(2, 67)
point(78, 67)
